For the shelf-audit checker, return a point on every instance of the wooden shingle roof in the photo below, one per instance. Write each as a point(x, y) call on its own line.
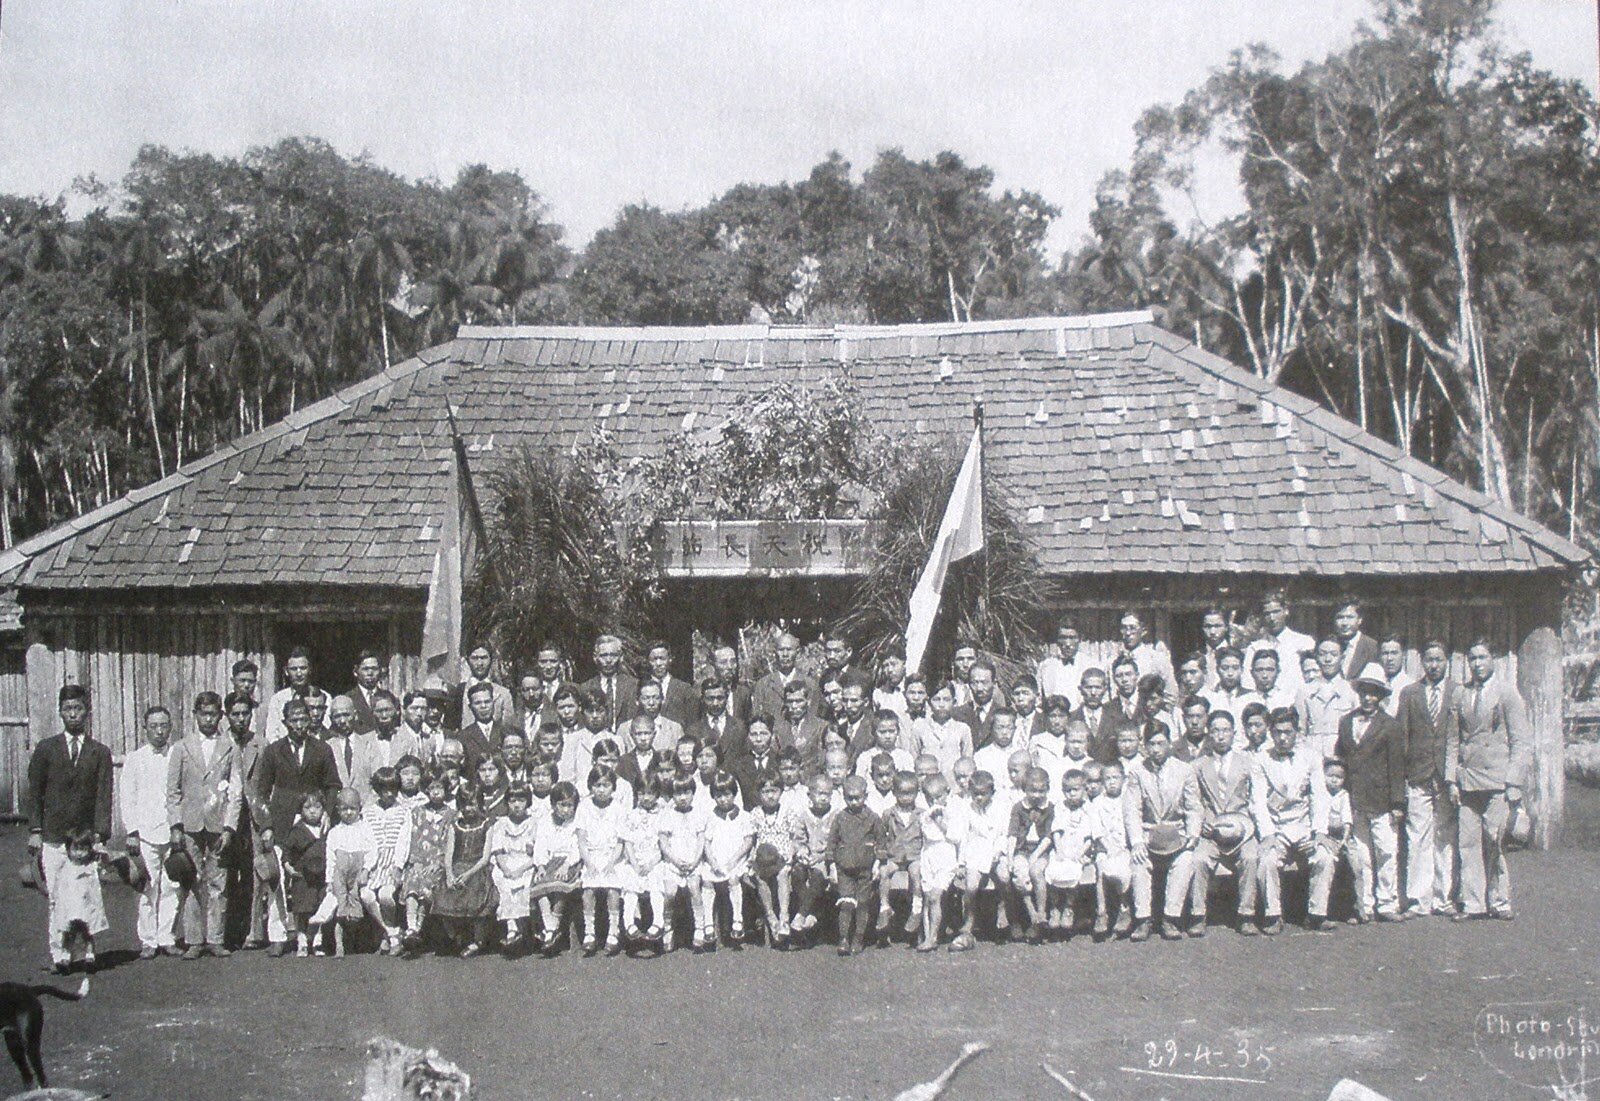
point(1124, 448)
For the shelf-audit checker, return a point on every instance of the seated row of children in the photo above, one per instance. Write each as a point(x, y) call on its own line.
point(1054, 840)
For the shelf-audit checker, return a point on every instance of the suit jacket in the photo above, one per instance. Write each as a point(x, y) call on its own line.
point(982, 729)
point(744, 769)
point(732, 741)
point(1362, 655)
point(1171, 795)
point(282, 781)
point(766, 698)
point(629, 770)
point(626, 704)
point(1422, 739)
point(247, 767)
point(681, 703)
point(363, 759)
point(806, 737)
point(203, 798)
point(456, 709)
point(1375, 770)
point(1103, 739)
point(1492, 746)
point(530, 723)
point(364, 720)
point(480, 743)
point(67, 797)
point(1223, 785)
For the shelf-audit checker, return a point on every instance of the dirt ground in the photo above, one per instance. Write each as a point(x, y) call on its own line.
point(1396, 1008)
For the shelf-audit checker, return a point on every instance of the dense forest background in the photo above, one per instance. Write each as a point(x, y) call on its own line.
point(1418, 248)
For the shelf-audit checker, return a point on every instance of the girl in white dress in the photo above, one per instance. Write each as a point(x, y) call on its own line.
point(601, 822)
point(730, 838)
point(512, 860)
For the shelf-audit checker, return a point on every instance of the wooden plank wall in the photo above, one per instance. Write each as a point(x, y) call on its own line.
point(15, 743)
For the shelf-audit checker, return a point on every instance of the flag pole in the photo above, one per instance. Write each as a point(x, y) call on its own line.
point(983, 494)
point(459, 446)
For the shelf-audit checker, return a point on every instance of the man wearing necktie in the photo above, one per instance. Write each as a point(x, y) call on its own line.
point(1426, 712)
point(69, 778)
point(290, 768)
point(620, 690)
point(1486, 765)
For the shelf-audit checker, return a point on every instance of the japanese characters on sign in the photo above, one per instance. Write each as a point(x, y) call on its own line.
point(763, 548)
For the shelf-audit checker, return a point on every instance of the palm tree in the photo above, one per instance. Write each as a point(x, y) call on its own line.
point(252, 343)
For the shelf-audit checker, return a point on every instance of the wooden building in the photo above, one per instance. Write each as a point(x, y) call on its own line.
point(1149, 474)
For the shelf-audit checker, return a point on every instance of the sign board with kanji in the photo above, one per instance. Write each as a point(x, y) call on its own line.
point(763, 548)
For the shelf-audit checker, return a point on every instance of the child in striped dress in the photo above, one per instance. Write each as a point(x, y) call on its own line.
point(390, 823)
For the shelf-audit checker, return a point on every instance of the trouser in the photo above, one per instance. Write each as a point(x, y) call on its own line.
point(205, 905)
point(1315, 859)
point(158, 902)
point(1178, 870)
point(254, 904)
point(1430, 847)
point(1374, 854)
point(1485, 880)
point(52, 859)
point(1242, 860)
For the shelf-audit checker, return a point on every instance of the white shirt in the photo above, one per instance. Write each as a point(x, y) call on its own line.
point(274, 728)
point(1060, 678)
point(142, 794)
point(1288, 645)
point(1400, 680)
point(208, 747)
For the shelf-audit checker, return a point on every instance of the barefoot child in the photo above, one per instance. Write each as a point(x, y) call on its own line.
point(511, 864)
point(305, 868)
point(779, 835)
point(601, 824)
point(431, 824)
point(466, 901)
point(942, 828)
point(730, 839)
point(79, 910)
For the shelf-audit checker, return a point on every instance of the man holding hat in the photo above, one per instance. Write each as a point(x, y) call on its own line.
point(1373, 752)
point(142, 798)
point(1487, 760)
point(69, 776)
point(1227, 832)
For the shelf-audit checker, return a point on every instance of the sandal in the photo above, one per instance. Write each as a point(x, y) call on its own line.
point(962, 943)
point(470, 950)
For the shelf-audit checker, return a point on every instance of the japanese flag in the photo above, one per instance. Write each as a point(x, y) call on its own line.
point(960, 536)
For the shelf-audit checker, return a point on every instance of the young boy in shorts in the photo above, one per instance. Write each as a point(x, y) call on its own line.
point(855, 844)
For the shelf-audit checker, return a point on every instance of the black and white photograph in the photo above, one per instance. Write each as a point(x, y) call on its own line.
point(820, 551)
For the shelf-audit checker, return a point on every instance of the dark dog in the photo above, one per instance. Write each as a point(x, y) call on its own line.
point(22, 1021)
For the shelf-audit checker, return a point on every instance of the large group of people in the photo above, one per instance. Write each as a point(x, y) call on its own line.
point(639, 811)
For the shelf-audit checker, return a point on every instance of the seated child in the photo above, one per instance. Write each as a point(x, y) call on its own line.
point(796, 796)
point(1032, 820)
point(682, 830)
point(1113, 860)
point(511, 855)
point(779, 834)
point(305, 868)
point(352, 850)
point(886, 732)
point(730, 839)
point(902, 830)
point(431, 824)
point(943, 826)
point(601, 824)
point(558, 864)
point(641, 845)
point(466, 901)
point(811, 862)
point(994, 757)
point(390, 823)
point(409, 769)
point(880, 796)
point(984, 852)
point(855, 842)
point(1069, 870)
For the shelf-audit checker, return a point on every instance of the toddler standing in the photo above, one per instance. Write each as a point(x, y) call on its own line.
point(305, 867)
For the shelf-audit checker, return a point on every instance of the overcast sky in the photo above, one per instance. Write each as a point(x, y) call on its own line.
point(602, 103)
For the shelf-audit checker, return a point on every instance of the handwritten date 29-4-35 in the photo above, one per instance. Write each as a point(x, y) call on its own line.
point(1241, 1054)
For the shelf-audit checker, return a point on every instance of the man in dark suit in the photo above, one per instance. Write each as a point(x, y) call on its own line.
point(551, 663)
point(534, 708)
point(480, 668)
point(800, 727)
point(369, 673)
point(620, 690)
point(1427, 717)
point(766, 697)
point(482, 733)
point(856, 722)
point(1360, 650)
point(69, 778)
point(1369, 744)
point(638, 751)
point(978, 712)
point(756, 759)
point(290, 768)
point(726, 661)
point(680, 702)
point(715, 725)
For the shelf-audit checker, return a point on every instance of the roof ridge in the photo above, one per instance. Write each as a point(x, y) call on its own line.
point(767, 331)
point(1352, 434)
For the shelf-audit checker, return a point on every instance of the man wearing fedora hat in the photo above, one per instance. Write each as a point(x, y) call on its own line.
point(1370, 745)
point(1488, 755)
point(69, 776)
point(1227, 832)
